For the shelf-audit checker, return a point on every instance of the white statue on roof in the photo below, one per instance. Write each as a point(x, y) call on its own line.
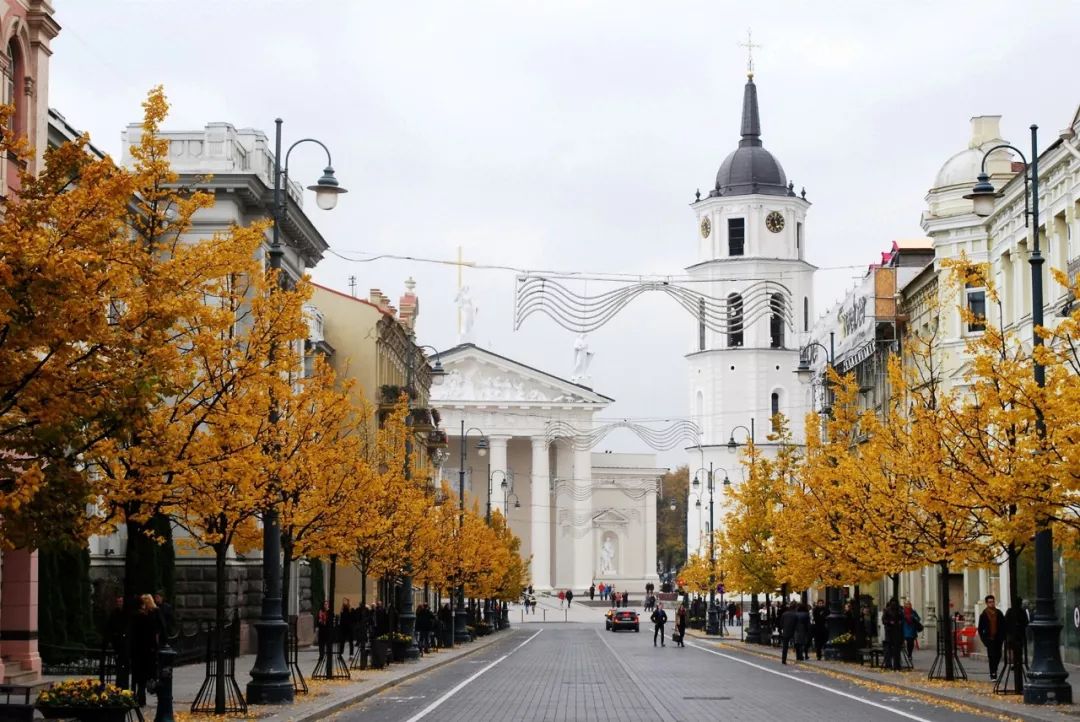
point(582, 359)
point(466, 314)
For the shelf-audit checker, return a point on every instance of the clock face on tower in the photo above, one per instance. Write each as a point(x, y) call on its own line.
point(706, 227)
point(774, 222)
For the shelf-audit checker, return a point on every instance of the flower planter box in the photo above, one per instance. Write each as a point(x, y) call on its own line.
point(380, 654)
point(86, 714)
point(398, 649)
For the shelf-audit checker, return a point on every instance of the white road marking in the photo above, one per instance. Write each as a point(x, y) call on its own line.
point(461, 685)
point(822, 687)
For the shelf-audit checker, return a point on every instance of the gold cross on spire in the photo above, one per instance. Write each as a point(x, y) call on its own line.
point(749, 45)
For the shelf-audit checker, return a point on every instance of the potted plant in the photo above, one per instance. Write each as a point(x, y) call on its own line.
point(483, 629)
point(420, 420)
point(471, 630)
point(85, 699)
point(841, 647)
point(399, 643)
point(436, 417)
point(697, 622)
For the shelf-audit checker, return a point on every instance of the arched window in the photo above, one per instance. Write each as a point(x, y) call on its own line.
point(734, 320)
point(805, 314)
point(776, 320)
point(774, 406)
point(14, 71)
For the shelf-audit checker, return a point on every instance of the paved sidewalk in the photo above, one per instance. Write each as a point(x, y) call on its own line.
point(325, 696)
point(976, 691)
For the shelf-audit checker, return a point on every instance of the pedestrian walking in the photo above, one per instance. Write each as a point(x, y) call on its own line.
point(614, 597)
point(892, 620)
point(910, 626)
point(562, 598)
point(324, 630)
point(819, 618)
point(145, 641)
point(992, 633)
point(569, 597)
point(802, 633)
point(681, 616)
point(625, 599)
point(731, 613)
point(659, 619)
point(344, 630)
point(592, 592)
point(788, 622)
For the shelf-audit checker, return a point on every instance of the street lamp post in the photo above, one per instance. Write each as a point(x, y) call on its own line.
point(753, 629)
point(271, 682)
point(461, 635)
point(712, 621)
point(835, 620)
point(407, 615)
point(1046, 678)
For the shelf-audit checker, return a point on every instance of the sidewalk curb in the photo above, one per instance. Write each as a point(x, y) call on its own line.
point(1022, 713)
point(338, 705)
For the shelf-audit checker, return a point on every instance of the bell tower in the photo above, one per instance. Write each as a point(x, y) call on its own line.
point(751, 236)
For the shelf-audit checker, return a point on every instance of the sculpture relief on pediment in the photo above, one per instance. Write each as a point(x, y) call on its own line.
point(474, 383)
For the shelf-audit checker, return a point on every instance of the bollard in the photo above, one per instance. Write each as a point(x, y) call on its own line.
point(166, 657)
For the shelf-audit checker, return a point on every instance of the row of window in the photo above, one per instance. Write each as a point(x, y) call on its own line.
point(736, 234)
point(735, 320)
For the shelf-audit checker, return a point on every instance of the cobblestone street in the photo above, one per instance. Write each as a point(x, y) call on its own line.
point(579, 672)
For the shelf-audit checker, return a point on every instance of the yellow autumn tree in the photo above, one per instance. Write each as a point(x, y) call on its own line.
point(171, 304)
point(320, 461)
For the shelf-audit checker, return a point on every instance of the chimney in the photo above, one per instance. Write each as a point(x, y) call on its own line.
point(410, 305)
point(984, 128)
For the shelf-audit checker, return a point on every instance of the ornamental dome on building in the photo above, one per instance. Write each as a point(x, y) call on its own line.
point(964, 167)
point(960, 172)
point(750, 169)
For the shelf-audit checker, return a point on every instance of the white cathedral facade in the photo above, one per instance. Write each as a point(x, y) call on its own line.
point(583, 517)
point(751, 247)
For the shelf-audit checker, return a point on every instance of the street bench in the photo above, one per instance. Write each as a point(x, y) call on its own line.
point(18, 701)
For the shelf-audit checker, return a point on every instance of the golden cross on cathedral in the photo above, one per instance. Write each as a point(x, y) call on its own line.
point(749, 45)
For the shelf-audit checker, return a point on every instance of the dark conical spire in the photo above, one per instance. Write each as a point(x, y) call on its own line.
point(751, 122)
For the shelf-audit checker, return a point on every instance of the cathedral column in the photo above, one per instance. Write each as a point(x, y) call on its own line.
point(585, 556)
point(540, 515)
point(649, 539)
point(498, 464)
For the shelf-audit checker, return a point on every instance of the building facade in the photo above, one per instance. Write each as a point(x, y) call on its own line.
point(751, 250)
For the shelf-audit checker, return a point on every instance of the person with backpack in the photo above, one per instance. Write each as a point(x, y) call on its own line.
point(659, 619)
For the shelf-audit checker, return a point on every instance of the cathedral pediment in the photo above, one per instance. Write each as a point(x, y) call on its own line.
point(475, 375)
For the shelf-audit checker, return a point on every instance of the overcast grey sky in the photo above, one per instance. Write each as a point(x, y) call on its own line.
point(572, 135)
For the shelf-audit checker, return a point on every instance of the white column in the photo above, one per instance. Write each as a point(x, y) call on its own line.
point(584, 548)
point(563, 562)
point(648, 535)
point(498, 463)
point(540, 515)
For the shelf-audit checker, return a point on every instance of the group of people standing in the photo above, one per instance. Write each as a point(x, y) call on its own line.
point(135, 630)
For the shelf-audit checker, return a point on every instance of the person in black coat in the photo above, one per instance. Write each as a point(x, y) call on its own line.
point(146, 634)
point(116, 632)
point(788, 622)
point(992, 632)
point(802, 632)
point(819, 616)
point(659, 619)
point(892, 620)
